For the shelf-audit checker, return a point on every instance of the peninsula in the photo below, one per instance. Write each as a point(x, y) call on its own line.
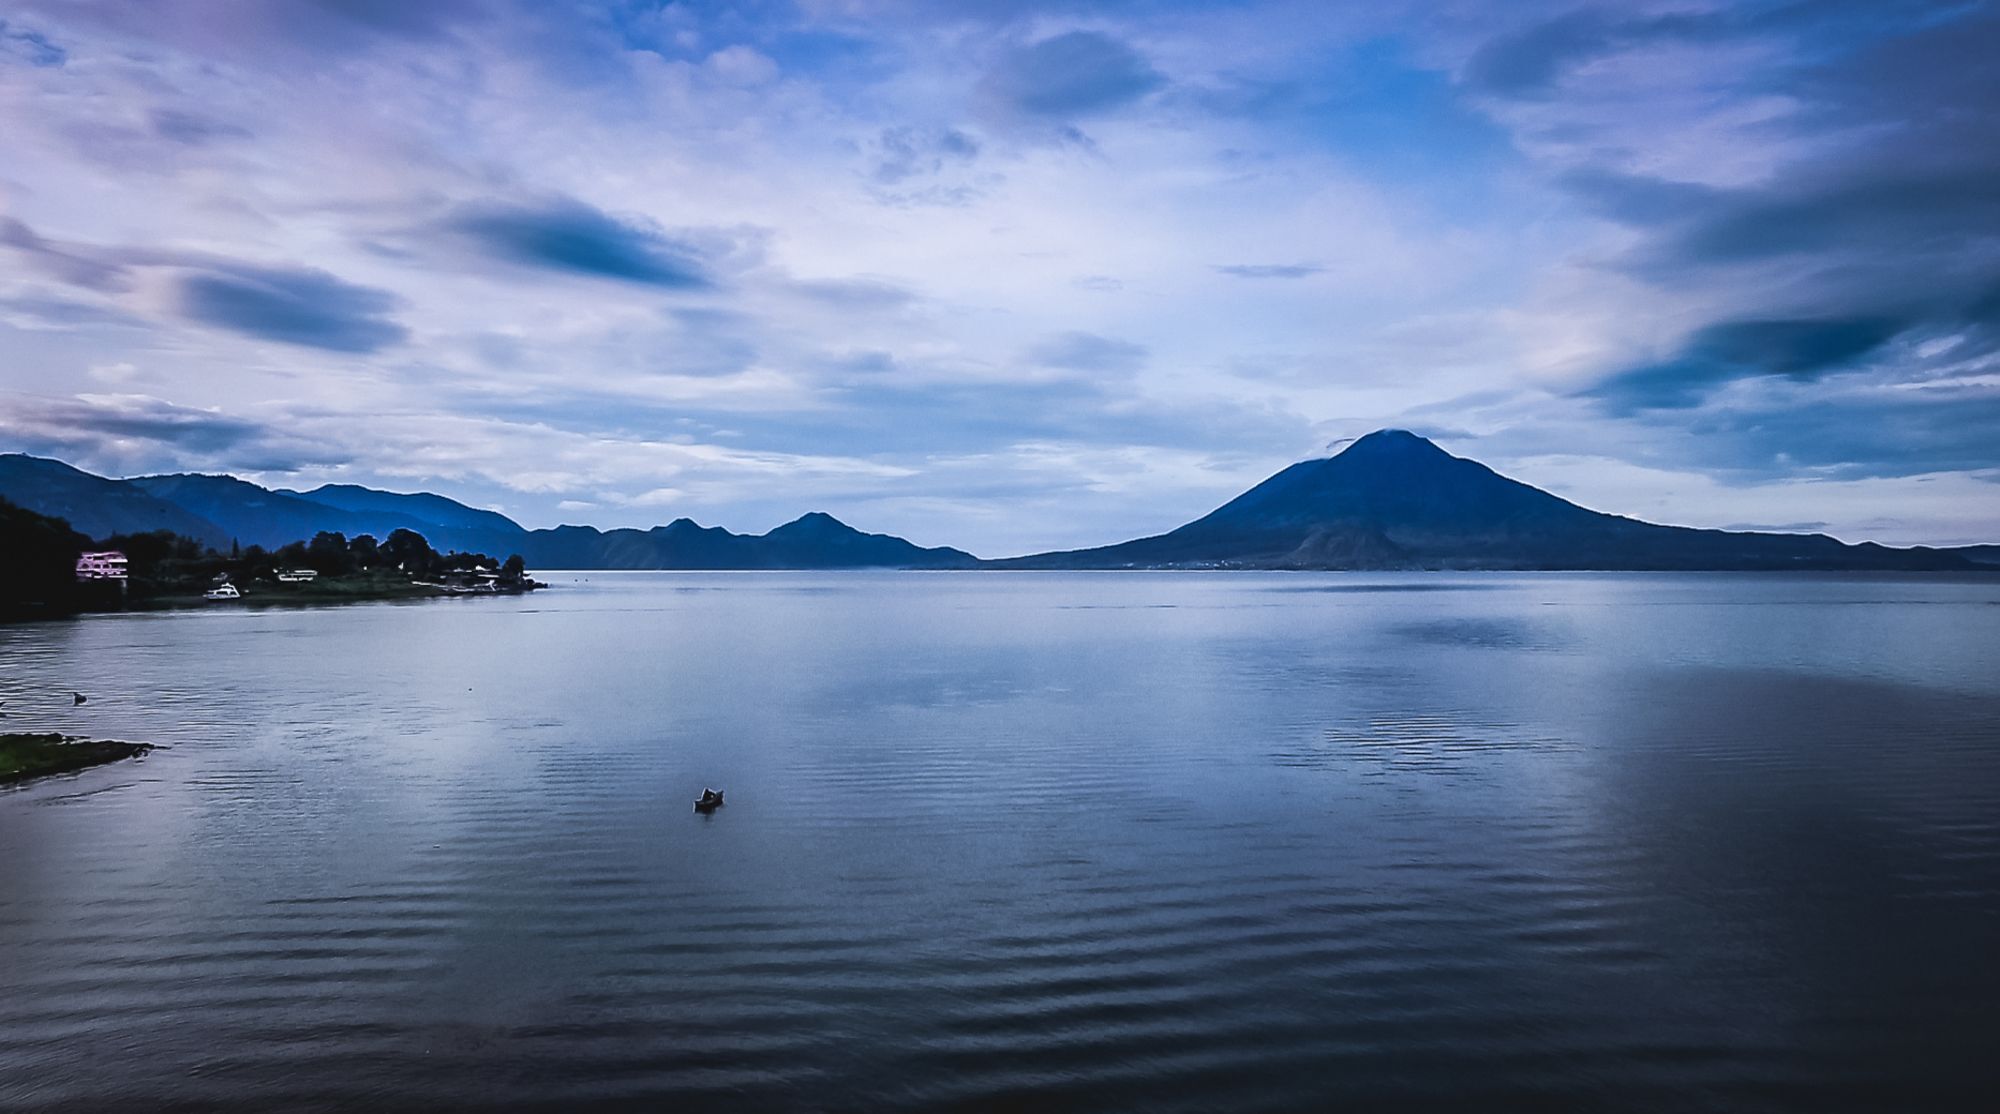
point(31, 755)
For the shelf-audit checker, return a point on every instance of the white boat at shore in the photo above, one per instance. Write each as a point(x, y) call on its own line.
point(222, 592)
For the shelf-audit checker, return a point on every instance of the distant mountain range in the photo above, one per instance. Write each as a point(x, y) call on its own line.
point(221, 510)
point(1391, 500)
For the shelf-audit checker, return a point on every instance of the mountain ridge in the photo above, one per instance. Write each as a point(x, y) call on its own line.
point(222, 510)
point(1394, 500)
point(1390, 500)
point(97, 506)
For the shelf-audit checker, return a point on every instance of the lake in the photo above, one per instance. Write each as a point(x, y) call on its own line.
point(1084, 841)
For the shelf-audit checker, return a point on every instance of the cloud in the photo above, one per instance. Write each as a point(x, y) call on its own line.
point(905, 152)
point(1528, 62)
point(1533, 61)
point(87, 418)
point(31, 46)
point(1727, 351)
point(949, 418)
point(1885, 204)
point(1870, 250)
point(569, 236)
point(1270, 270)
point(266, 33)
point(1723, 234)
point(78, 266)
point(909, 165)
point(1089, 352)
point(400, 18)
point(1079, 73)
point(1879, 432)
point(44, 311)
point(856, 294)
point(126, 433)
point(296, 306)
point(743, 66)
point(1811, 526)
point(1636, 199)
point(191, 129)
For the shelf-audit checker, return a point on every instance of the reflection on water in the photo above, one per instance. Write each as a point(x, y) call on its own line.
point(1426, 744)
point(1172, 841)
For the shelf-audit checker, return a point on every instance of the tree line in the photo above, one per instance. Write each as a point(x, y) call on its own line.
point(38, 556)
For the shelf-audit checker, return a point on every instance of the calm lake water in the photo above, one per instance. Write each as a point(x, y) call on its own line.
point(1086, 841)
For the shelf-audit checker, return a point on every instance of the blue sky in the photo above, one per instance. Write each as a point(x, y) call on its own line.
point(1010, 276)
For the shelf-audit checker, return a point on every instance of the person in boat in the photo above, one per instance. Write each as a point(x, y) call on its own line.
point(710, 797)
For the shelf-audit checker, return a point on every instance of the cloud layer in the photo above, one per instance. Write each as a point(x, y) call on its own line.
point(1011, 276)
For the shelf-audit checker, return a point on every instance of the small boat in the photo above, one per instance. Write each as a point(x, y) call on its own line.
point(222, 592)
point(709, 801)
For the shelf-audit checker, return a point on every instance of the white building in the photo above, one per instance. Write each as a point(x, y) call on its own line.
point(108, 564)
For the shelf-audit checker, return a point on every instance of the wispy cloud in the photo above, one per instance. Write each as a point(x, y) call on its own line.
point(1270, 270)
point(31, 46)
point(1090, 353)
point(1074, 74)
point(132, 433)
point(569, 236)
point(296, 306)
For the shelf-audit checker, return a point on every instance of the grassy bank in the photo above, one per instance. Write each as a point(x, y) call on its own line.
point(355, 587)
point(24, 756)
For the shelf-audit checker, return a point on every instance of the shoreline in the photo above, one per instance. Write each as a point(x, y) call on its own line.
point(262, 595)
point(27, 756)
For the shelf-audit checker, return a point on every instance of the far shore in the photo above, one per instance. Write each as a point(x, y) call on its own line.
point(326, 590)
point(263, 593)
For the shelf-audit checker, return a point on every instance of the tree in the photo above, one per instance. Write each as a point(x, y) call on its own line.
point(328, 553)
point(365, 551)
point(455, 561)
point(145, 552)
point(514, 569)
point(409, 551)
point(37, 561)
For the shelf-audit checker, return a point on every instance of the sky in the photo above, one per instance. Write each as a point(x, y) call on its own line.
point(1011, 276)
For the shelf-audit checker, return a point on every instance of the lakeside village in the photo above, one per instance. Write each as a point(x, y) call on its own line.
point(49, 570)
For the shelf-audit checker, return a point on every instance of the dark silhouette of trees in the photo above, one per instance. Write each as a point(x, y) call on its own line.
point(149, 554)
point(408, 550)
point(327, 553)
point(37, 562)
